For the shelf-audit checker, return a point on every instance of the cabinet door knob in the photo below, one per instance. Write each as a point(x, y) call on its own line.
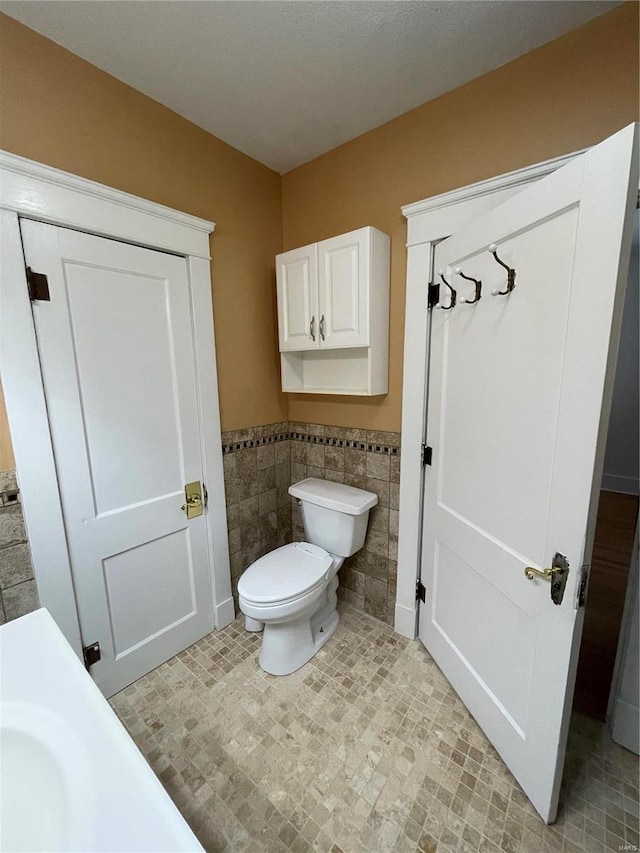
point(312, 328)
point(322, 327)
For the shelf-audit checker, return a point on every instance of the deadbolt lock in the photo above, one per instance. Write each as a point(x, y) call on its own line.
point(193, 496)
point(557, 574)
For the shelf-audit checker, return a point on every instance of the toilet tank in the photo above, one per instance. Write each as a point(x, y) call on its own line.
point(335, 516)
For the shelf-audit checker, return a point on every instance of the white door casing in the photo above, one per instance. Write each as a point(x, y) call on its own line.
point(344, 265)
point(42, 193)
point(517, 436)
point(117, 357)
point(297, 295)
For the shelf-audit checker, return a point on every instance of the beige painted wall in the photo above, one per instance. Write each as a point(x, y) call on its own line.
point(567, 95)
point(60, 110)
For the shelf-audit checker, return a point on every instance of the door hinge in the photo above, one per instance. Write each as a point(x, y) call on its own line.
point(91, 654)
point(433, 295)
point(421, 592)
point(38, 285)
point(10, 497)
point(582, 586)
point(427, 454)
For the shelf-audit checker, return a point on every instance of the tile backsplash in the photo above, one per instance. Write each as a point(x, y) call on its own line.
point(262, 462)
point(18, 593)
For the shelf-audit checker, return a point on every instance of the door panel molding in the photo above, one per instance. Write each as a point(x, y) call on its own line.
point(35, 191)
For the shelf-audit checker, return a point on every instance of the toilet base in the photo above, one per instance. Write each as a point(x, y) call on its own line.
point(286, 646)
point(252, 625)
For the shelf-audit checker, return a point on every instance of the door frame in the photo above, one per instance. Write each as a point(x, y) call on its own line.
point(622, 716)
point(35, 191)
point(428, 222)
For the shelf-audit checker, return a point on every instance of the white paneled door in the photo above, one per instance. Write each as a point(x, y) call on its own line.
point(118, 364)
point(520, 386)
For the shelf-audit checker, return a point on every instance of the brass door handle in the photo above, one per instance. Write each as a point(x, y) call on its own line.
point(192, 500)
point(557, 574)
point(545, 573)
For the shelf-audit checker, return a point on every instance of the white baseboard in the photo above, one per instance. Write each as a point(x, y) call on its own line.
point(616, 483)
point(406, 621)
point(626, 725)
point(224, 613)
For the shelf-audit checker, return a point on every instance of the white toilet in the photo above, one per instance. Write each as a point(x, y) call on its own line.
point(291, 591)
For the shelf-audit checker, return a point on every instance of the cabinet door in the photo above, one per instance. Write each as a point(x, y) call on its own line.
point(297, 285)
point(343, 267)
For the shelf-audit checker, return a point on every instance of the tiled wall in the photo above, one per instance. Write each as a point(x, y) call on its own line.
point(259, 466)
point(367, 460)
point(257, 475)
point(262, 462)
point(18, 593)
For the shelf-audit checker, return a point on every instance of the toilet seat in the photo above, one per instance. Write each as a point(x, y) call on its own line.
point(285, 574)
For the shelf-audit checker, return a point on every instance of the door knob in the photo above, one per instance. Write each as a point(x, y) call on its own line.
point(557, 574)
point(193, 499)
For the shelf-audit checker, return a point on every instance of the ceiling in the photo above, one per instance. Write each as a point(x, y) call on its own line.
point(287, 81)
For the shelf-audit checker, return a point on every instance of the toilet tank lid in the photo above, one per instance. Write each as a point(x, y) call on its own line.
point(334, 496)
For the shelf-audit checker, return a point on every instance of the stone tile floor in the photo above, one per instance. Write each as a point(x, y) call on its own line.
point(366, 748)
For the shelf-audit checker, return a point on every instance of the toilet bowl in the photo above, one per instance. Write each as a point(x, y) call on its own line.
point(291, 592)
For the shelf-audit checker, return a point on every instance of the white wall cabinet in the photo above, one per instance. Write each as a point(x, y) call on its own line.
point(333, 315)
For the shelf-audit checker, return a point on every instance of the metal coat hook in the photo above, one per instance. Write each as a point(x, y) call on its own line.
point(511, 273)
point(454, 296)
point(478, 294)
